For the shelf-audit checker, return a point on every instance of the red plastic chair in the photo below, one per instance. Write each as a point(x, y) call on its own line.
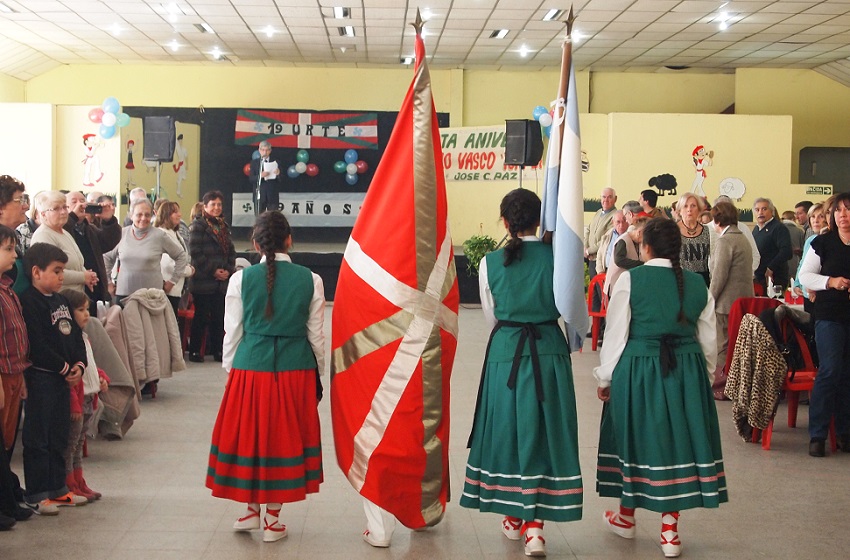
point(598, 282)
point(187, 315)
point(758, 289)
point(795, 383)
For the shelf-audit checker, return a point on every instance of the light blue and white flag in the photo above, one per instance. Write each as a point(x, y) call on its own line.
point(563, 207)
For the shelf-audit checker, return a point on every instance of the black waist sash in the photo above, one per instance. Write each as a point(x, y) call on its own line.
point(529, 334)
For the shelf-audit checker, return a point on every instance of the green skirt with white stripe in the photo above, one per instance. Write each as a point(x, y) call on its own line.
point(659, 444)
point(523, 458)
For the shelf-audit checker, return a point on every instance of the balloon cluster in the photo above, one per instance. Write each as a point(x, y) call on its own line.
point(542, 115)
point(351, 166)
point(109, 117)
point(302, 157)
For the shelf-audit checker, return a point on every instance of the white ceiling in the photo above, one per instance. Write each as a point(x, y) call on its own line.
point(614, 35)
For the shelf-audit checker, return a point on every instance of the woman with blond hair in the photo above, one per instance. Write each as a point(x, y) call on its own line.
point(696, 239)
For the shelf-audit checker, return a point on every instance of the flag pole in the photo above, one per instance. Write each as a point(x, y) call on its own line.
point(566, 60)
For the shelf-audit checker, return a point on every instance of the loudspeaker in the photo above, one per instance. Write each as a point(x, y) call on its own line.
point(159, 138)
point(524, 145)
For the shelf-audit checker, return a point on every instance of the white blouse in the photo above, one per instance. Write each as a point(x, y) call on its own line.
point(619, 316)
point(233, 326)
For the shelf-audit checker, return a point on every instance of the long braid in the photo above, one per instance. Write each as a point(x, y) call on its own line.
point(665, 240)
point(270, 233)
point(521, 210)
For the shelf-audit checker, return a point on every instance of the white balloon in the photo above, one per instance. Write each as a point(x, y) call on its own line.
point(108, 119)
point(545, 120)
point(300, 167)
point(351, 169)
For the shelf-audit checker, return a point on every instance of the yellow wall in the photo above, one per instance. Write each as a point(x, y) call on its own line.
point(819, 105)
point(12, 90)
point(228, 86)
point(26, 144)
point(71, 124)
point(635, 92)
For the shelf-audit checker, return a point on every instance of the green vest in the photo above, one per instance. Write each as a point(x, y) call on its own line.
point(278, 343)
point(654, 301)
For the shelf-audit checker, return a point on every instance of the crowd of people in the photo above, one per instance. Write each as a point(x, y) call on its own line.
point(659, 442)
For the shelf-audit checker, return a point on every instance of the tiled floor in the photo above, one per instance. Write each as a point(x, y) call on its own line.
point(783, 504)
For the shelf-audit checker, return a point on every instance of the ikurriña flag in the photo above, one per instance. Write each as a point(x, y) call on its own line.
point(395, 323)
point(563, 206)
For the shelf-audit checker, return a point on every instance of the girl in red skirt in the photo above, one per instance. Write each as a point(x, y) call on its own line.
point(266, 445)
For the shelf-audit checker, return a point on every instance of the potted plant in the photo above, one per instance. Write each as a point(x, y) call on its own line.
point(474, 250)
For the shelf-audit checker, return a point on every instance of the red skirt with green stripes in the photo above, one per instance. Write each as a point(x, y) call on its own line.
point(266, 444)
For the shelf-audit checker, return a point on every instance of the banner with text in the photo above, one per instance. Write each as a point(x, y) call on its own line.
point(306, 130)
point(304, 209)
point(478, 154)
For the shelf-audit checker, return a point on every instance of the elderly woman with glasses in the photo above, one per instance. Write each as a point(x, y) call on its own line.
point(52, 211)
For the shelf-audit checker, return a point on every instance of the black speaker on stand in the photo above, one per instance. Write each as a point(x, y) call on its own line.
point(523, 143)
point(159, 134)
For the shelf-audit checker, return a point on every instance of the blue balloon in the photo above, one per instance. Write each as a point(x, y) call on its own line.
point(110, 105)
point(350, 157)
point(547, 130)
point(291, 172)
point(256, 154)
point(106, 132)
point(351, 178)
point(539, 110)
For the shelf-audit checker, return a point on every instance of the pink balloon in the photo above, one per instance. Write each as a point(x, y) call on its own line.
point(362, 166)
point(95, 115)
point(312, 169)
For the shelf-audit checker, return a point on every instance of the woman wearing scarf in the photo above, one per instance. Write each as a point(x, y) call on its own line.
point(214, 258)
point(140, 252)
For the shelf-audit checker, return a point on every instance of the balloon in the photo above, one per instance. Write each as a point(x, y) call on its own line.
point(351, 179)
point(362, 166)
point(109, 119)
point(312, 169)
point(539, 110)
point(110, 105)
point(545, 120)
point(300, 167)
point(303, 156)
point(350, 156)
point(291, 172)
point(247, 169)
point(351, 168)
point(547, 131)
point(106, 132)
point(95, 115)
point(339, 167)
point(123, 119)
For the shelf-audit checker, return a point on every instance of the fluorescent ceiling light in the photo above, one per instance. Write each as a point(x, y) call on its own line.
point(523, 51)
point(553, 14)
point(204, 28)
point(216, 53)
point(406, 60)
point(341, 13)
point(174, 45)
point(426, 14)
point(347, 31)
point(6, 9)
point(269, 31)
point(499, 34)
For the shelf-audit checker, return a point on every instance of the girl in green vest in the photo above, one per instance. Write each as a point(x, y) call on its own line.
point(659, 444)
point(266, 446)
point(523, 458)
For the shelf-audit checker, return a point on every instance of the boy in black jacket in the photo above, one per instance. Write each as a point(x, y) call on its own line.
point(58, 356)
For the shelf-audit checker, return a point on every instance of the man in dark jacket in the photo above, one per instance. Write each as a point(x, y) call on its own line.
point(92, 240)
point(773, 242)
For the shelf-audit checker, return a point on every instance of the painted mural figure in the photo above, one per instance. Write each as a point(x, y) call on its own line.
point(91, 162)
point(702, 159)
point(180, 167)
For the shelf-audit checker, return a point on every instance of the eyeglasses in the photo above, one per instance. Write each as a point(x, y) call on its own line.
point(57, 209)
point(23, 200)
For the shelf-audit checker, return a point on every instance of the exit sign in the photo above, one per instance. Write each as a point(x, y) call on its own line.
point(825, 190)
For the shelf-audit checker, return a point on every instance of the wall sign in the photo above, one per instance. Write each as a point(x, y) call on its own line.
point(304, 209)
point(478, 154)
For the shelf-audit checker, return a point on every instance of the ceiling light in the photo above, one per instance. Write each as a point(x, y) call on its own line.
point(269, 31)
point(116, 29)
point(723, 26)
point(204, 28)
point(553, 14)
point(426, 14)
point(523, 51)
point(216, 53)
point(406, 60)
point(347, 31)
point(6, 9)
point(341, 13)
point(174, 45)
point(499, 34)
